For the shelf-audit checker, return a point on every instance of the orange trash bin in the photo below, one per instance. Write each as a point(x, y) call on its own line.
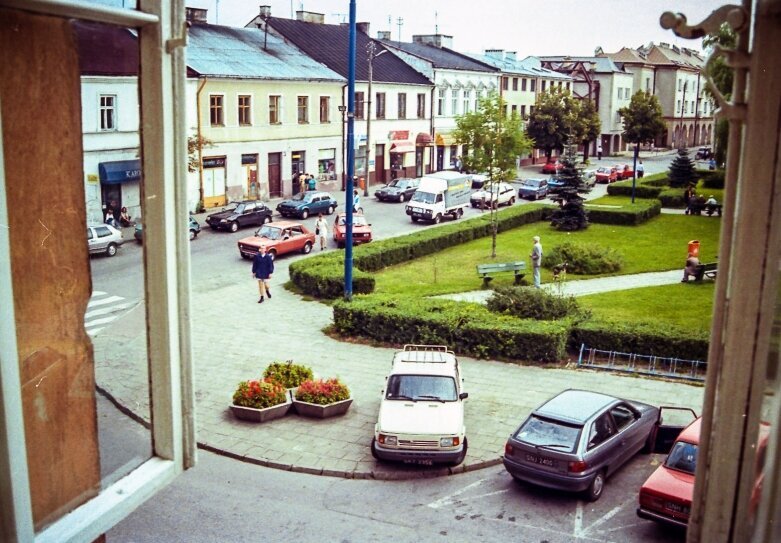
point(694, 248)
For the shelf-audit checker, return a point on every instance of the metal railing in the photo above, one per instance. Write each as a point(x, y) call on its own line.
point(657, 366)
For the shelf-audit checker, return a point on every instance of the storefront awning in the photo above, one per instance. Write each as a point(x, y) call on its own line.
point(402, 147)
point(424, 139)
point(119, 171)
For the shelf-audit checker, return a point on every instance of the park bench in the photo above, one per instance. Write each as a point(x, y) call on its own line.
point(708, 270)
point(486, 271)
point(696, 208)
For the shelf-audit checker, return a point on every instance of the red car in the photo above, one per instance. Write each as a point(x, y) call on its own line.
point(667, 494)
point(606, 175)
point(552, 167)
point(279, 237)
point(623, 171)
point(362, 231)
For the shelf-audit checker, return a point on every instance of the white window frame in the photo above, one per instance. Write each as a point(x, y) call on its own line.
point(112, 109)
point(163, 151)
point(467, 98)
point(441, 94)
point(454, 96)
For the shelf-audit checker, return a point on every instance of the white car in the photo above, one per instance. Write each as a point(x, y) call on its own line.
point(498, 194)
point(421, 418)
point(104, 238)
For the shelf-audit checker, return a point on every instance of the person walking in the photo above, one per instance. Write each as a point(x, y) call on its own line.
point(356, 201)
point(688, 197)
point(321, 230)
point(262, 268)
point(311, 182)
point(536, 256)
point(690, 270)
point(302, 184)
point(640, 169)
point(599, 151)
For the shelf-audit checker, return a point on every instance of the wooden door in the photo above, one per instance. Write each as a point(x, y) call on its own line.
point(274, 175)
point(379, 164)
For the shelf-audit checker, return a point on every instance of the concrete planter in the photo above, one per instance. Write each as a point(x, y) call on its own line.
point(306, 409)
point(250, 414)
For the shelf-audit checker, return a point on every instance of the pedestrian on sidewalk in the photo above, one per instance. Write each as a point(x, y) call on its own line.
point(536, 256)
point(599, 151)
point(302, 184)
point(321, 230)
point(311, 182)
point(262, 268)
point(688, 196)
point(640, 168)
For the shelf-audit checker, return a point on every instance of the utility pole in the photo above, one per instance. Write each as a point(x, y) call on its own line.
point(399, 22)
point(370, 52)
point(348, 200)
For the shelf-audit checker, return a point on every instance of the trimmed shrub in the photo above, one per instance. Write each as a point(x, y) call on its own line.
point(322, 391)
point(287, 374)
point(712, 179)
point(533, 303)
point(629, 215)
point(585, 258)
point(672, 198)
point(467, 328)
point(641, 338)
point(259, 394)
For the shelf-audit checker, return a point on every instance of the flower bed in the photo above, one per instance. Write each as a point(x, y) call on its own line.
point(322, 398)
point(259, 400)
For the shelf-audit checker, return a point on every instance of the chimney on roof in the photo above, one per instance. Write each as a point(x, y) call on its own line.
point(362, 27)
point(496, 54)
point(383, 35)
point(310, 17)
point(675, 48)
point(265, 12)
point(437, 40)
point(196, 15)
point(663, 44)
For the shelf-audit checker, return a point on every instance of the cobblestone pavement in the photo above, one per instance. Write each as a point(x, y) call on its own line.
point(234, 338)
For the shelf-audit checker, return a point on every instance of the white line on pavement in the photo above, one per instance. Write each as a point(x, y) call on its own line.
point(449, 500)
point(103, 301)
point(105, 310)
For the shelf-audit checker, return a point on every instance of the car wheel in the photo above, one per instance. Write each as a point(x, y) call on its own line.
point(459, 213)
point(414, 219)
point(234, 226)
point(401, 198)
point(111, 250)
point(307, 248)
point(438, 218)
point(192, 235)
point(330, 210)
point(267, 219)
point(273, 253)
point(245, 257)
point(212, 227)
point(305, 214)
point(512, 202)
point(462, 456)
point(374, 450)
point(596, 487)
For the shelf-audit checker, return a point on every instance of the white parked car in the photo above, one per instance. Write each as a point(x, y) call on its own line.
point(421, 417)
point(498, 194)
point(104, 238)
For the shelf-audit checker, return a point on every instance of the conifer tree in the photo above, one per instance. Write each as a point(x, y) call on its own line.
point(571, 214)
point(681, 169)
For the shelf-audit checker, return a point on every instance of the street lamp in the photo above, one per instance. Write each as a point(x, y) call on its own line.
point(343, 110)
point(372, 56)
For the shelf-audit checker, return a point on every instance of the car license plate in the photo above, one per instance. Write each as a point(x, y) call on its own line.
point(676, 507)
point(421, 462)
point(533, 458)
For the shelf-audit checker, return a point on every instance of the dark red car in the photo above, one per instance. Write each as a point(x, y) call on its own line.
point(552, 167)
point(606, 175)
point(279, 238)
point(362, 230)
point(624, 171)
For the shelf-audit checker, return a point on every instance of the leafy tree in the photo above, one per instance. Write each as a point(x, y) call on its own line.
point(722, 76)
point(585, 123)
point(571, 214)
point(495, 142)
point(643, 123)
point(681, 169)
point(550, 123)
point(194, 143)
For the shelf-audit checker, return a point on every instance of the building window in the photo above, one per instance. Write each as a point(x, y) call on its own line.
point(531, 110)
point(326, 164)
point(380, 97)
point(108, 112)
point(467, 101)
point(620, 93)
point(685, 107)
point(325, 109)
point(678, 107)
point(505, 83)
point(533, 84)
point(680, 84)
point(402, 105)
point(506, 111)
point(245, 108)
point(441, 102)
point(647, 84)
point(523, 112)
point(303, 109)
point(514, 110)
point(454, 102)
point(478, 97)
point(542, 88)
point(359, 105)
point(273, 109)
point(515, 83)
point(216, 111)
point(568, 85)
point(421, 105)
point(523, 84)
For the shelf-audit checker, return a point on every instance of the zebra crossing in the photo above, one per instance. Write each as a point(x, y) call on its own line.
point(102, 309)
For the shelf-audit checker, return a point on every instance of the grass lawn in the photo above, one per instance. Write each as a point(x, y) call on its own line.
point(657, 245)
point(688, 306)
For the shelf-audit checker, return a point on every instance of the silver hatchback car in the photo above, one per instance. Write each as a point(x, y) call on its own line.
point(575, 440)
point(104, 238)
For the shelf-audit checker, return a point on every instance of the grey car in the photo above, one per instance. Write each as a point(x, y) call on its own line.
point(398, 190)
point(103, 238)
point(577, 439)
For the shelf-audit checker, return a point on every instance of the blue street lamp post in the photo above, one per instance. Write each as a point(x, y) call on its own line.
point(348, 196)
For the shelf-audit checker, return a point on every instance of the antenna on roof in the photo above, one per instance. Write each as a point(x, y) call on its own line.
point(399, 22)
point(436, 26)
point(217, 13)
point(341, 16)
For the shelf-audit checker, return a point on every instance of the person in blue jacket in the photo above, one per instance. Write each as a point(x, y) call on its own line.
point(262, 268)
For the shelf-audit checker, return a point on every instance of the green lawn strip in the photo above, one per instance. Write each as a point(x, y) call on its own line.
point(658, 245)
point(686, 306)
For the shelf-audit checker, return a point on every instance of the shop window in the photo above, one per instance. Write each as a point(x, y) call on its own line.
point(326, 164)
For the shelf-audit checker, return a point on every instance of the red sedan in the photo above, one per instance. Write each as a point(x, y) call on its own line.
point(623, 171)
point(362, 231)
point(279, 237)
point(606, 175)
point(552, 167)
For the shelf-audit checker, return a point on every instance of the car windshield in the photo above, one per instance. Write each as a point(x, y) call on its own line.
point(682, 457)
point(301, 197)
point(603, 170)
point(549, 433)
point(532, 183)
point(270, 232)
point(423, 197)
point(398, 183)
point(240, 208)
point(421, 387)
point(358, 220)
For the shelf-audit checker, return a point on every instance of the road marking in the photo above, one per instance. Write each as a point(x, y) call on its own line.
point(450, 500)
point(104, 308)
point(578, 528)
point(107, 310)
point(604, 518)
point(103, 301)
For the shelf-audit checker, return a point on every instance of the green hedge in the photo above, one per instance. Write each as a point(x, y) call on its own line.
point(671, 198)
point(641, 338)
point(323, 276)
point(712, 179)
point(467, 328)
point(630, 215)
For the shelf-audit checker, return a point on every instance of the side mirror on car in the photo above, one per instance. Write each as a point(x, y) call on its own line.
point(463, 396)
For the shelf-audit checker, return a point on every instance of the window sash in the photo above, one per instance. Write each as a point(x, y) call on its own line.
point(216, 110)
point(273, 109)
point(325, 109)
point(108, 112)
point(380, 105)
point(245, 110)
point(359, 105)
point(402, 106)
point(303, 109)
point(421, 106)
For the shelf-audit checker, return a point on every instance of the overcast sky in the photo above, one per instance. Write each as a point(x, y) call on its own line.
point(530, 27)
